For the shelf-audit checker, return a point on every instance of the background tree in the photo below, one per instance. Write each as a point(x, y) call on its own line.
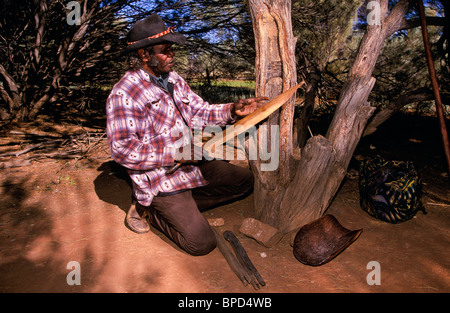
point(45, 60)
point(47, 64)
point(401, 71)
point(323, 29)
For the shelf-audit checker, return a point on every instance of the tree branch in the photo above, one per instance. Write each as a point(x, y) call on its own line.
point(13, 93)
point(397, 21)
point(395, 18)
point(421, 94)
point(415, 22)
point(39, 18)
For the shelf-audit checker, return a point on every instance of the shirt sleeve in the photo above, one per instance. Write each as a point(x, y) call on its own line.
point(211, 114)
point(205, 113)
point(125, 126)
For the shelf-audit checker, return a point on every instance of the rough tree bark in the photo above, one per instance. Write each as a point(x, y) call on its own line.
point(275, 72)
point(306, 181)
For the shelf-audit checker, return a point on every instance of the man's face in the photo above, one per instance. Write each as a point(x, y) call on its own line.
point(161, 60)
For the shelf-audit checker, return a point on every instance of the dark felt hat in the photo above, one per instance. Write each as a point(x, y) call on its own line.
point(320, 241)
point(152, 31)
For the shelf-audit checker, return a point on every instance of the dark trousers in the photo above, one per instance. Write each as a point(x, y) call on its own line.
point(179, 216)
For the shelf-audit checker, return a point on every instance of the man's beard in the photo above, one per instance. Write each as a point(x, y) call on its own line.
point(158, 66)
point(153, 62)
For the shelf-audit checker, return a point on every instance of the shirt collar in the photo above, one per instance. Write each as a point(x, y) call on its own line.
point(153, 79)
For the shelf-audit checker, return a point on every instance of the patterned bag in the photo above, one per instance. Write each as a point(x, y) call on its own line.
point(390, 190)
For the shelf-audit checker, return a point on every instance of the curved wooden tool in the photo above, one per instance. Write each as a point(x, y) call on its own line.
point(256, 280)
point(251, 120)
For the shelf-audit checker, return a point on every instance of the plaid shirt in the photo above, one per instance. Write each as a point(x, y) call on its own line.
point(142, 119)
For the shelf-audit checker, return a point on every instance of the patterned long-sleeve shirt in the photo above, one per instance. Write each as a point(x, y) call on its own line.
point(143, 121)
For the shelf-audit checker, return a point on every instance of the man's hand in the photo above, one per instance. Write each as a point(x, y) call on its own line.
point(246, 106)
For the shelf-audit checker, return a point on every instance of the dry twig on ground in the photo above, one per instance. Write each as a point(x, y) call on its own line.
point(21, 148)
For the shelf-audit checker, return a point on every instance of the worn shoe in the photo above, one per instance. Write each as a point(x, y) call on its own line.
point(136, 221)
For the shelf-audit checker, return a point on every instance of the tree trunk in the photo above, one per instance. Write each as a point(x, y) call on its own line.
point(303, 186)
point(275, 73)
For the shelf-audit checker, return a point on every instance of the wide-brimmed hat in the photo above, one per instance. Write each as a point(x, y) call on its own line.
point(320, 241)
point(152, 31)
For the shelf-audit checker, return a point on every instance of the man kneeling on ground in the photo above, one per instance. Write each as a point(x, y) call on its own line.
point(144, 108)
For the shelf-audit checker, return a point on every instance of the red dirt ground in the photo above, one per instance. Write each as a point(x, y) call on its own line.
point(53, 212)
